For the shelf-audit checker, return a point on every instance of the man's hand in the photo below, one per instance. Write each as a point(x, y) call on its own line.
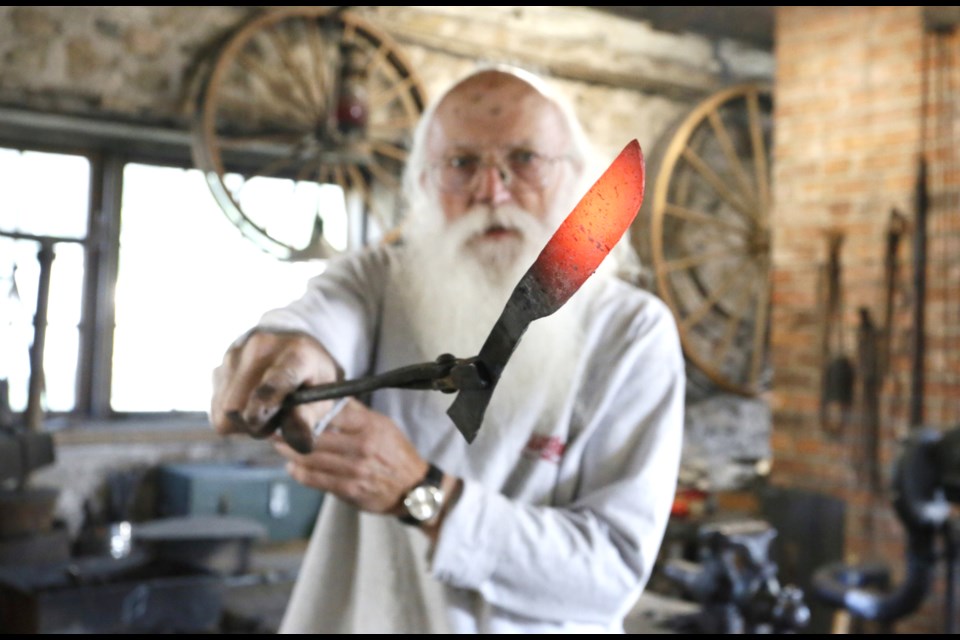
point(362, 457)
point(254, 377)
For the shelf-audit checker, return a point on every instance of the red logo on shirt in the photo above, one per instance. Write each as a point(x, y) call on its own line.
point(549, 448)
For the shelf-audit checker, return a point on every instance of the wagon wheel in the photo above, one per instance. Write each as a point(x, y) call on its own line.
point(710, 234)
point(313, 96)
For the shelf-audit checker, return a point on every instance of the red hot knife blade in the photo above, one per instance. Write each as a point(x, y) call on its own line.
point(572, 255)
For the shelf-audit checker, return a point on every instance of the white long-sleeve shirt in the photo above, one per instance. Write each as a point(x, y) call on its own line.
point(558, 525)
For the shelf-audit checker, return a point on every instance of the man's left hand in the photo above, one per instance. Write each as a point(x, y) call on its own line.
point(362, 457)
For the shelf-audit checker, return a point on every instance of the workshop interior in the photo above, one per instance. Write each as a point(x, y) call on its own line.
point(168, 173)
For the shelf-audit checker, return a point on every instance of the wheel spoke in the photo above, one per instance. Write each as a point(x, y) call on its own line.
point(322, 70)
point(710, 302)
point(378, 59)
point(299, 111)
point(389, 149)
point(300, 82)
point(340, 179)
point(733, 159)
point(697, 260)
point(383, 175)
point(314, 170)
point(702, 218)
point(349, 32)
point(760, 153)
point(736, 319)
point(396, 90)
point(400, 84)
point(716, 182)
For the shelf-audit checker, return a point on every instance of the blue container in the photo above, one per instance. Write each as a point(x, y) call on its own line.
point(266, 494)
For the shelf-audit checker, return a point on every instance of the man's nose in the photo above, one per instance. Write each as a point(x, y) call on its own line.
point(493, 185)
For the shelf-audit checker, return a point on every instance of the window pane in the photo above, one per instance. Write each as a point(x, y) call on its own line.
point(16, 317)
point(30, 206)
point(188, 284)
point(44, 193)
point(63, 321)
point(287, 210)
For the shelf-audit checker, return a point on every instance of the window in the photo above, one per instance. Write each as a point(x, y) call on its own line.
point(148, 283)
point(187, 283)
point(48, 226)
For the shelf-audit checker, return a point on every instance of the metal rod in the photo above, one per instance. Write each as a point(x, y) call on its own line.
point(920, 285)
point(34, 409)
point(428, 375)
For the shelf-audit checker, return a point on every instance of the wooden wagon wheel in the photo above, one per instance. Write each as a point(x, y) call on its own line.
point(314, 96)
point(710, 234)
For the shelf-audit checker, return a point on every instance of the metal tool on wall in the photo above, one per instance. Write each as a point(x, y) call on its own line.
point(873, 358)
point(870, 376)
point(920, 301)
point(873, 355)
point(896, 228)
point(839, 375)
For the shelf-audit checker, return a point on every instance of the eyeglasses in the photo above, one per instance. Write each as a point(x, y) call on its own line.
point(458, 173)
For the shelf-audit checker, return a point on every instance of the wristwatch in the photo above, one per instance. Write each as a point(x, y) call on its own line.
point(425, 500)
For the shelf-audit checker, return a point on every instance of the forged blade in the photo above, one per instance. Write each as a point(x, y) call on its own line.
point(572, 255)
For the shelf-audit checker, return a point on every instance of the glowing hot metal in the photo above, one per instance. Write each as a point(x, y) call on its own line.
point(572, 255)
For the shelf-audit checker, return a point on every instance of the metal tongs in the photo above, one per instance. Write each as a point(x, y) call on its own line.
point(447, 374)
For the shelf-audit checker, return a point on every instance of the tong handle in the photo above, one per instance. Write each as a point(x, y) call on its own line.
point(446, 373)
point(428, 375)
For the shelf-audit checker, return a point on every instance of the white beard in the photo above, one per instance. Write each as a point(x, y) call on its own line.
point(453, 291)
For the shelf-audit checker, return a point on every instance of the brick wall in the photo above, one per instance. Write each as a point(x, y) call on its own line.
point(851, 85)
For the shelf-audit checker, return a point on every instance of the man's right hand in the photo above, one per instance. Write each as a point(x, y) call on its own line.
point(255, 376)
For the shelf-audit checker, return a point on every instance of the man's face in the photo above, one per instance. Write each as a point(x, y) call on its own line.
point(496, 143)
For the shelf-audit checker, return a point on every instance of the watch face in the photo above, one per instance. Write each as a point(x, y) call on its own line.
point(423, 502)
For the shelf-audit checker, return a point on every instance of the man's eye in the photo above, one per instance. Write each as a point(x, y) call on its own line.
point(523, 157)
point(463, 163)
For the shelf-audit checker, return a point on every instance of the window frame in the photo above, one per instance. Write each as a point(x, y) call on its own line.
point(108, 146)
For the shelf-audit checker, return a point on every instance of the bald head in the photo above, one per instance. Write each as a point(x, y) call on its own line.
point(493, 120)
point(495, 108)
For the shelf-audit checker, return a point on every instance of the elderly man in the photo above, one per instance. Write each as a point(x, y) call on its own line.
point(551, 519)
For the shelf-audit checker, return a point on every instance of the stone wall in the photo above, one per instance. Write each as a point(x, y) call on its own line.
point(138, 63)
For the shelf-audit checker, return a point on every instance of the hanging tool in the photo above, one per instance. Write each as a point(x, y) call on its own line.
point(873, 347)
point(895, 230)
point(920, 287)
point(839, 375)
point(870, 376)
point(572, 255)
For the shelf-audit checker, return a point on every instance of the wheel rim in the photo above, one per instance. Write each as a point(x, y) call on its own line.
point(711, 235)
point(267, 109)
